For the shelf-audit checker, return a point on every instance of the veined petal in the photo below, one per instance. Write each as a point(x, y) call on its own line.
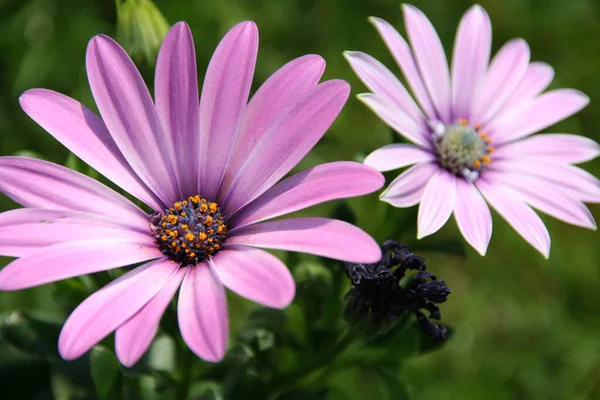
point(41, 184)
point(84, 133)
point(69, 259)
point(321, 236)
point(396, 119)
point(548, 109)
point(506, 72)
point(316, 185)
point(407, 189)
point(287, 140)
point(111, 306)
point(472, 216)
point(134, 337)
point(394, 156)
point(25, 231)
point(405, 60)
point(255, 275)
point(381, 81)
point(202, 313)
point(430, 58)
point(177, 104)
point(224, 96)
point(437, 203)
point(470, 59)
point(509, 204)
point(130, 116)
point(558, 148)
point(280, 91)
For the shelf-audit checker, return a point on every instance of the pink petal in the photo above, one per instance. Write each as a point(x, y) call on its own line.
point(177, 105)
point(202, 313)
point(316, 185)
point(280, 91)
point(504, 76)
point(286, 142)
point(381, 81)
point(430, 58)
point(437, 203)
point(135, 336)
point(546, 197)
point(558, 148)
point(580, 183)
point(548, 109)
point(111, 306)
point(84, 133)
point(394, 156)
point(321, 236)
point(396, 119)
point(224, 97)
point(470, 58)
point(129, 114)
point(537, 78)
point(472, 216)
point(407, 189)
point(519, 215)
point(66, 260)
point(28, 230)
point(255, 275)
point(403, 56)
point(41, 184)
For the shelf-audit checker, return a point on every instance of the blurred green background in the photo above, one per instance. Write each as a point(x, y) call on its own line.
point(525, 328)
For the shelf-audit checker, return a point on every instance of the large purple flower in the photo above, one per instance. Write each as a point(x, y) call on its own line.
point(470, 132)
point(208, 171)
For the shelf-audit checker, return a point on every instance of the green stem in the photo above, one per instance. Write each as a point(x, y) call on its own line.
point(291, 378)
point(185, 373)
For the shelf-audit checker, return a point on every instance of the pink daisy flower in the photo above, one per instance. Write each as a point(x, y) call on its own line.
point(206, 168)
point(470, 132)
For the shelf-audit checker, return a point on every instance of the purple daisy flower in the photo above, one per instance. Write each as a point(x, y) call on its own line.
point(471, 131)
point(208, 169)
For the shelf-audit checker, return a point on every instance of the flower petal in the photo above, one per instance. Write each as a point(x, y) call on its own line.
point(111, 306)
point(396, 119)
point(224, 97)
point(405, 60)
point(286, 142)
point(66, 260)
point(558, 148)
point(548, 109)
point(437, 203)
point(504, 76)
point(381, 81)
point(134, 337)
point(41, 184)
point(394, 156)
point(470, 58)
point(509, 204)
point(129, 114)
point(316, 185)
point(407, 189)
point(430, 58)
point(255, 275)
point(472, 216)
point(177, 104)
point(25, 231)
point(202, 313)
point(280, 91)
point(321, 236)
point(84, 134)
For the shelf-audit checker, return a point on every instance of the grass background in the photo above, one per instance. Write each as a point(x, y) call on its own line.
point(526, 328)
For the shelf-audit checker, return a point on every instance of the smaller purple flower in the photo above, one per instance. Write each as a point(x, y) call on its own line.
point(471, 128)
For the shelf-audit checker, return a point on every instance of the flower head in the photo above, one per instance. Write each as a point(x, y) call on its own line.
point(207, 169)
point(470, 128)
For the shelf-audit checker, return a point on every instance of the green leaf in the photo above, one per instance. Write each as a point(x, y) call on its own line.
point(30, 334)
point(105, 372)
